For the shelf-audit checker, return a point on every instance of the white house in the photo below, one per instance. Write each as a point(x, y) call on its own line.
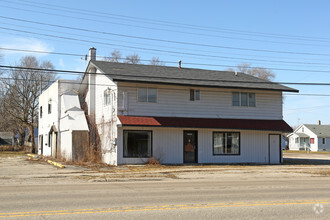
point(314, 137)
point(63, 130)
point(183, 115)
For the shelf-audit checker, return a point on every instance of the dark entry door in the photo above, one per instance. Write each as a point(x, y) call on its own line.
point(190, 146)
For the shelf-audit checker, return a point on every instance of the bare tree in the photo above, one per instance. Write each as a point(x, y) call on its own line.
point(156, 62)
point(133, 59)
point(22, 89)
point(115, 56)
point(260, 72)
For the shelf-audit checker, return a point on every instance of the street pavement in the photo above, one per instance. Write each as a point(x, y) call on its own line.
point(216, 192)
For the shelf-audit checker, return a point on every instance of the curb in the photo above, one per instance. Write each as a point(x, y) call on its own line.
point(56, 164)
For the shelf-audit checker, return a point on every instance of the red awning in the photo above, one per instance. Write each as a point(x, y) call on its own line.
point(178, 122)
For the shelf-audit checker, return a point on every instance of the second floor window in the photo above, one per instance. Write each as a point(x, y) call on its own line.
point(244, 99)
point(49, 108)
point(195, 94)
point(147, 95)
point(107, 97)
point(40, 111)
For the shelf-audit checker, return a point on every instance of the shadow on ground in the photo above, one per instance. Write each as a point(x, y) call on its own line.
point(299, 161)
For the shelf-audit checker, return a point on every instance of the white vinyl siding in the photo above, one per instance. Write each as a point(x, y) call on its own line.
point(167, 146)
point(174, 101)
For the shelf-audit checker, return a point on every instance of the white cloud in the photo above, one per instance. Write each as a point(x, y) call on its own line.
point(32, 44)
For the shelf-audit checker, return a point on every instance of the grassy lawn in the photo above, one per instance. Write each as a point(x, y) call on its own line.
point(305, 152)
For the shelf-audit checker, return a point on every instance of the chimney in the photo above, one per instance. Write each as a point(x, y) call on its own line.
point(319, 122)
point(92, 54)
point(179, 64)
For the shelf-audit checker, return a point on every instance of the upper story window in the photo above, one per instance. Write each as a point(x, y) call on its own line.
point(40, 112)
point(49, 107)
point(244, 99)
point(147, 95)
point(195, 94)
point(106, 96)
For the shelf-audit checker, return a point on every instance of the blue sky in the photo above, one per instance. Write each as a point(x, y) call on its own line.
point(290, 37)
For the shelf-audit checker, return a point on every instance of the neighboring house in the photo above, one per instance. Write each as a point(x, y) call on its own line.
point(314, 137)
point(28, 137)
point(183, 115)
point(63, 129)
point(6, 138)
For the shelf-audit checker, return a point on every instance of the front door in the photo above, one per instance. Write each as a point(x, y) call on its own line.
point(274, 149)
point(190, 146)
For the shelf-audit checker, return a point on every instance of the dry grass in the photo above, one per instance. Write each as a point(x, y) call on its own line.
point(4, 154)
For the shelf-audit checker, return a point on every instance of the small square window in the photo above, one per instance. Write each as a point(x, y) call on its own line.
point(195, 94)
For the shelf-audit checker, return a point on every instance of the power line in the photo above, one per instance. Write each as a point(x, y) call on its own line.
point(166, 41)
point(162, 77)
point(175, 24)
point(159, 50)
point(105, 57)
point(153, 28)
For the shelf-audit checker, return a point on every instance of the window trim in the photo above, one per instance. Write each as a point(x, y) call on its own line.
point(151, 150)
point(247, 99)
point(239, 143)
point(147, 88)
point(105, 94)
point(49, 108)
point(193, 96)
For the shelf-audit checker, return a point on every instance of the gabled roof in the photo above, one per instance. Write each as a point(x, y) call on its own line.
point(185, 76)
point(214, 123)
point(319, 130)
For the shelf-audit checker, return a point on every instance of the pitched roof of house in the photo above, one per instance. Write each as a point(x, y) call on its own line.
point(319, 130)
point(179, 122)
point(184, 76)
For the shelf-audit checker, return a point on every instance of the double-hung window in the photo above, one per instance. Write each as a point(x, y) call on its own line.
point(106, 96)
point(244, 99)
point(226, 143)
point(147, 95)
point(195, 94)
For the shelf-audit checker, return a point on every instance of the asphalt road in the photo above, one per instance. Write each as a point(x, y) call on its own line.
point(299, 198)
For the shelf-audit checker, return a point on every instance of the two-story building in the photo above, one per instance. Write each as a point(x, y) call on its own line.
point(63, 129)
point(183, 115)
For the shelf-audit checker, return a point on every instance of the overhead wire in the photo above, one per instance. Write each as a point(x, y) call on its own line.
point(160, 29)
point(162, 77)
point(170, 23)
point(167, 41)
